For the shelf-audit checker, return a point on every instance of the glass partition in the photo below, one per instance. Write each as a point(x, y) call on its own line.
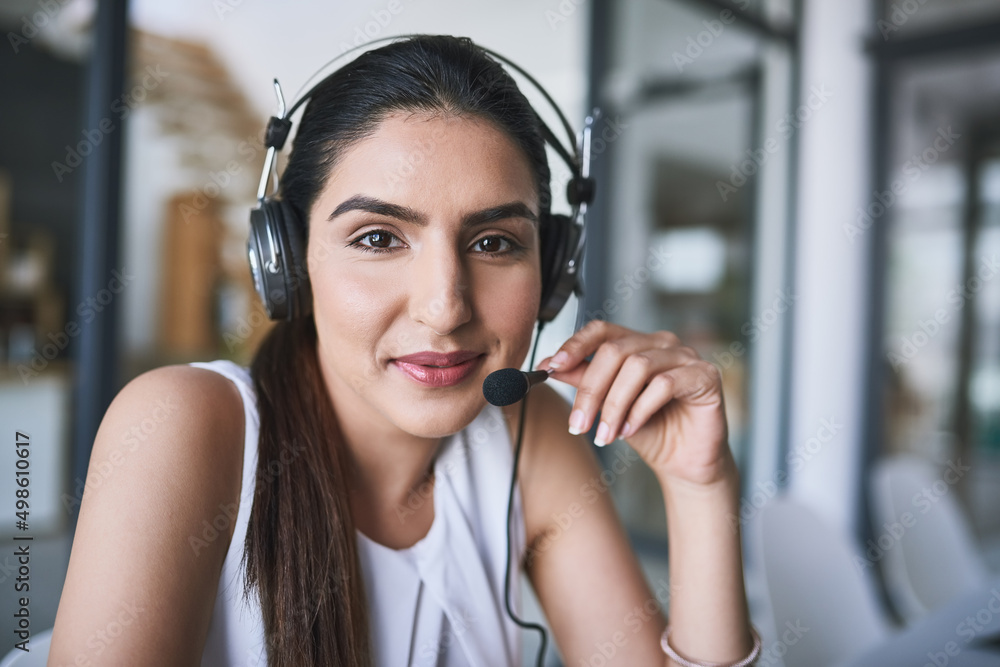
point(698, 179)
point(939, 203)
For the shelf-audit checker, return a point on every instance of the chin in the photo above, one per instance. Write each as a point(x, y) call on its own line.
point(445, 418)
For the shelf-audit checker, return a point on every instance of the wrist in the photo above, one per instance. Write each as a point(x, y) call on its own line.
point(718, 481)
point(701, 511)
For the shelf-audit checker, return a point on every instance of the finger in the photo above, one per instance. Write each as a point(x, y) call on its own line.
point(573, 377)
point(635, 373)
point(691, 381)
point(606, 365)
point(582, 344)
point(571, 356)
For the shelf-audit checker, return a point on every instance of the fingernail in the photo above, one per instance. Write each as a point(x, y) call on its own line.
point(601, 438)
point(561, 358)
point(576, 422)
point(626, 430)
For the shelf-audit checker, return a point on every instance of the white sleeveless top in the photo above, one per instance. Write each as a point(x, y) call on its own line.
point(438, 603)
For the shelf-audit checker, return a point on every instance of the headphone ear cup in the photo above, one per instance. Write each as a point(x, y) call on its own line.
point(279, 273)
point(559, 237)
point(296, 270)
point(549, 244)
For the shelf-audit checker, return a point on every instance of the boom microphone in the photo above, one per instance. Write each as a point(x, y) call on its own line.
point(509, 385)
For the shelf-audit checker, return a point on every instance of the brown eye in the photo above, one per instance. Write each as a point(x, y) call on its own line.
point(379, 239)
point(492, 244)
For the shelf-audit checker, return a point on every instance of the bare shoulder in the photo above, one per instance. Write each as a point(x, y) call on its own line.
point(555, 465)
point(156, 518)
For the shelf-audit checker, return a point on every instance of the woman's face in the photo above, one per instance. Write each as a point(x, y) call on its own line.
point(424, 239)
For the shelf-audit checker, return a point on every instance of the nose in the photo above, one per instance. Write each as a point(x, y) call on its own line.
point(439, 289)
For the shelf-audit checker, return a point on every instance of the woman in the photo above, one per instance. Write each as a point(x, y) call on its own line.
point(375, 527)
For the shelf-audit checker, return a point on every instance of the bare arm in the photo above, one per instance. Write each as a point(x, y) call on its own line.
point(140, 587)
point(708, 607)
point(585, 573)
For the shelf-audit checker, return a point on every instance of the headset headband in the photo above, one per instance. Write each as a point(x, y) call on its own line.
point(579, 192)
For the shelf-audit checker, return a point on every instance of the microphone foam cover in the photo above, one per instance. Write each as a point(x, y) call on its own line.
point(505, 386)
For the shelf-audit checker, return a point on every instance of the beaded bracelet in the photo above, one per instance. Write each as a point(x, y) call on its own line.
point(676, 657)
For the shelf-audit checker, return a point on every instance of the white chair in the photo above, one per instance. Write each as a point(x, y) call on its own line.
point(815, 584)
point(932, 554)
point(36, 656)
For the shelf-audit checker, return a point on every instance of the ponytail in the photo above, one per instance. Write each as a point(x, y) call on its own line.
point(301, 550)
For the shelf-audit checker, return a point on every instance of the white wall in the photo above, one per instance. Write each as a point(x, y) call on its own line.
point(290, 41)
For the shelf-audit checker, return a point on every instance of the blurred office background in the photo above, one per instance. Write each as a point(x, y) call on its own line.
point(806, 191)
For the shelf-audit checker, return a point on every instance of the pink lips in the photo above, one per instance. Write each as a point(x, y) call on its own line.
point(434, 369)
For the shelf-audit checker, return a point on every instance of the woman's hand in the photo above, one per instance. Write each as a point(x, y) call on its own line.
point(654, 392)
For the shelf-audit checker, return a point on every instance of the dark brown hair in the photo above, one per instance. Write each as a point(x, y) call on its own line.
point(301, 549)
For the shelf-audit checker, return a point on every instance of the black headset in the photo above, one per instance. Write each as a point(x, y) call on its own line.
point(276, 245)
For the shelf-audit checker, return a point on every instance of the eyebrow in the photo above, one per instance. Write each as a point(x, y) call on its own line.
point(377, 206)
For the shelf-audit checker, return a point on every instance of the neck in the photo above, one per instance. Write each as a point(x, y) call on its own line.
point(391, 468)
point(390, 472)
point(392, 488)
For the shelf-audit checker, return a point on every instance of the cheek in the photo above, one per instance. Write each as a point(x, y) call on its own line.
point(511, 305)
point(349, 308)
